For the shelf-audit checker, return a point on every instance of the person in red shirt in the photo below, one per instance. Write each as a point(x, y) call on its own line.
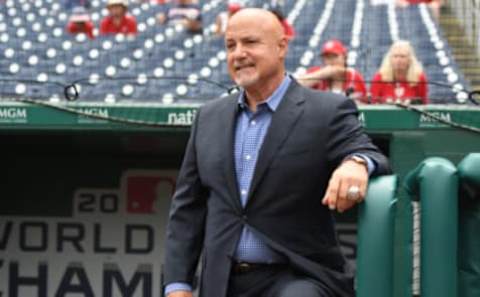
point(118, 20)
point(400, 77)
point(187, 13)
point(434, 5)
point(334, 75)
point(80, 22)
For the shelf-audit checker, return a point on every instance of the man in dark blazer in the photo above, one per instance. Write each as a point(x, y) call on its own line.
point(262, 171)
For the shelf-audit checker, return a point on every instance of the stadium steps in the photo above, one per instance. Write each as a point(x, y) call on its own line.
point(462, 49)
point(474, 76)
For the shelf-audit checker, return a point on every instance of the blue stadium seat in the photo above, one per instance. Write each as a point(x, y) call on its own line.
point(38, 29)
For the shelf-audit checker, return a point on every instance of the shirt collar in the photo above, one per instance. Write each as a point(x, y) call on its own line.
point(274, 100)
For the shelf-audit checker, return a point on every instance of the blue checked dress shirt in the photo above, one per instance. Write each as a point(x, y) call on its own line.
point(250, 132)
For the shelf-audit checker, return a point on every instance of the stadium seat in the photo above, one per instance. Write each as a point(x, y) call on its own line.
point(29, 29)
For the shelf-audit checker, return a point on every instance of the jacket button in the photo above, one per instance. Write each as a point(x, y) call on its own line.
point(244, 218)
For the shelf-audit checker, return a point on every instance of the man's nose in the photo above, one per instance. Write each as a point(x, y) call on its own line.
point(239, 52)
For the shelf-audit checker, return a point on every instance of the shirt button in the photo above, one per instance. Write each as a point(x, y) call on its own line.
point(248, 157)
point(253, 123)
point(243, 192)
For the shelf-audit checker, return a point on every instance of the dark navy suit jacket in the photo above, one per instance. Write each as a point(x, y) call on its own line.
point(310, 134)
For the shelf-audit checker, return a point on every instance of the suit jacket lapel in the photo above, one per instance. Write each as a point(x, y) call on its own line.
point(283, 120)
point(229, 120)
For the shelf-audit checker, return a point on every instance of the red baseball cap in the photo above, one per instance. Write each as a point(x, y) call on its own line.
point(234, 7)
point(335, 47)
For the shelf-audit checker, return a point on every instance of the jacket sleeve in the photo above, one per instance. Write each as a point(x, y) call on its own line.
point(185, 229)
point(347, 137)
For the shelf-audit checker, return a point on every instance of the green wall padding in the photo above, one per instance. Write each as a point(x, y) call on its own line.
point(435, 183)
point(375, 239)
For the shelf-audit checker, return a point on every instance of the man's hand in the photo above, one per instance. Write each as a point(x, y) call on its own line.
point(180, 294)
point(348, 174)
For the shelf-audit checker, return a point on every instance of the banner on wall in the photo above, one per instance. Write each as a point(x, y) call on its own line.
point(111, 244)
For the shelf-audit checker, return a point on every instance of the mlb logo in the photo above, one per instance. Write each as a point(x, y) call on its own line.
point(148, 192)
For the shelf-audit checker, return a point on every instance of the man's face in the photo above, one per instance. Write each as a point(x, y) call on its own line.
point(400, 58)
point(255, 52)
point(116, 10)
point(333, 60)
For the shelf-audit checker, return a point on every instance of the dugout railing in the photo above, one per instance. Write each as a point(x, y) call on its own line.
point(376, 219)
point(447, 245)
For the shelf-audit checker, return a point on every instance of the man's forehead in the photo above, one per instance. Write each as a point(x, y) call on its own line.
point(253, 14)
point(254, 18)
point(242, 33)
point(244, 23)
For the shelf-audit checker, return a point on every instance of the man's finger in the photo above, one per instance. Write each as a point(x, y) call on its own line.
point(343, 205)
point(363, 191)
point(342, 195)
point(325, 196)
point(343, 190)
point(332, 192)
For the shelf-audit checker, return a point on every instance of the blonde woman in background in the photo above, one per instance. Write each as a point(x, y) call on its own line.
point(400, 77)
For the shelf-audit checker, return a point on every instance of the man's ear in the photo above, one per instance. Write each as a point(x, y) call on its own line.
point(283, 47)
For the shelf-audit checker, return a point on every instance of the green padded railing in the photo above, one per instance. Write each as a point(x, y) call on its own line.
point(435, 183)
point(468, 233)
point(375, 239)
